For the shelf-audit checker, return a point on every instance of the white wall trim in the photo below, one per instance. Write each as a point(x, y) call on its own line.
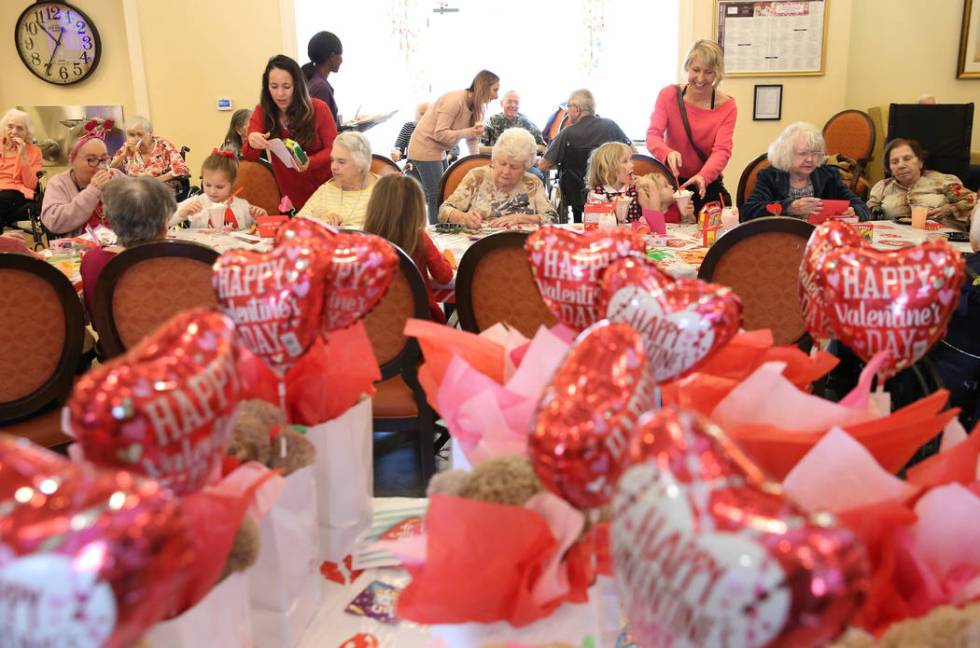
point(137, 69)
point(287, 24)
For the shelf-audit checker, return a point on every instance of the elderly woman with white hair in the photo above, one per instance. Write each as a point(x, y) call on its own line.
point(503, 194)
point(145, 154)
point(342, 200)
point(797, 180)
point(20, 162)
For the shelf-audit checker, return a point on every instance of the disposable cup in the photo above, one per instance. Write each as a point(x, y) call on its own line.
point(919, 216)
point(682, 197)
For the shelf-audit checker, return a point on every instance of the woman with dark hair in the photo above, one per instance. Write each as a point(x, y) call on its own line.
point(285, 110)
point(456, 115)
point(326, 54)
point(237, 131)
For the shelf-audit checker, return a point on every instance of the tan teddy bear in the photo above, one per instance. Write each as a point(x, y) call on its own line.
point(287, 450)
point(504, 480)
point(943, 627)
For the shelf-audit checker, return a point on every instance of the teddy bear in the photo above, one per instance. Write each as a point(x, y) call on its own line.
point(944, 627)
point(261, 434)
point(504, 480)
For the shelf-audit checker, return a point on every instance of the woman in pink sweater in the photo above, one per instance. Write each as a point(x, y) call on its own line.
point(698, 151)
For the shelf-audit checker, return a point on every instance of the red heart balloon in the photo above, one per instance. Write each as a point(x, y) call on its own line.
point(682, 321)
point(88, 557)
point(708, 552)
point(359, 270)
point(164, 408)
point(827, 236)
point(583, 423)
point(274, 298)
point(898, 301)
point(567, 267)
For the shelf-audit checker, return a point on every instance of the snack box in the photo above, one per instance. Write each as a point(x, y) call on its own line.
point(296, 150)
point(267, 225)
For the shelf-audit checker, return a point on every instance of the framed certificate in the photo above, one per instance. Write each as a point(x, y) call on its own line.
point(768, 102)
point(969, 62)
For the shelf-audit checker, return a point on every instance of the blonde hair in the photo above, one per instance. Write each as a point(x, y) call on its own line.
point(603, 164)
point(396, 211)
point(710, 54)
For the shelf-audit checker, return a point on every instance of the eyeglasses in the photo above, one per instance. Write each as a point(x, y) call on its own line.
point(97, 162)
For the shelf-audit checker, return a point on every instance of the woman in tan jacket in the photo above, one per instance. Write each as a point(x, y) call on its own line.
point(454, 116)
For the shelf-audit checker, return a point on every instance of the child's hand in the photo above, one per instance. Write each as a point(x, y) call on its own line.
point(255, 211)
point(191, 208)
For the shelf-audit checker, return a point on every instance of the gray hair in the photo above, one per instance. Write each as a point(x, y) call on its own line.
point(510, 92)
point(138, 208)
point(781, 150)
point(359, 147)
point(12, 114)
point(139, 121)
point(516, 144)
point(583, 100)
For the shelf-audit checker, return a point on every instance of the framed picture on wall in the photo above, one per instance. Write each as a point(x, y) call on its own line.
point(969, 64)
point(772, 37)
point(768, 103)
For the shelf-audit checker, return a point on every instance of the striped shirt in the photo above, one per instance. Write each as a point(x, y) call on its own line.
point(331, 199)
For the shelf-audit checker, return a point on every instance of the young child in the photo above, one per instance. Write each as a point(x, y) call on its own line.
point(396, 211)
point(610, 176)
point(219, 171)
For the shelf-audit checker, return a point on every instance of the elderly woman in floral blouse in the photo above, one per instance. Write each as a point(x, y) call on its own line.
point(910, 183)
point(145, 154)
point(504, 193)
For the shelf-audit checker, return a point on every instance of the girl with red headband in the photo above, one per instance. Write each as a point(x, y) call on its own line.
point(218, 174)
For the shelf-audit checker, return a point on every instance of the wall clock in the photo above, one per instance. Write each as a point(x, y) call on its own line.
point(57, 42)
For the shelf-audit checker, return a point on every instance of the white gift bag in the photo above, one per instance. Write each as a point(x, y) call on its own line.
point(284, 583)
point(219, 619)
point(344, 472)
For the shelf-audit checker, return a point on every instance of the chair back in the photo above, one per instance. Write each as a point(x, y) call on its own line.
point(41, 332)
point(146, 285)
point(385, 324)
point(258, 185)
point(457, 171)
point(944, 130)
point(494, 284)
point(850, 133)
point(760, 261)
point(382, 166)
point(746, 183)
point(645, 165)
point(571, 176)
point(555, 124)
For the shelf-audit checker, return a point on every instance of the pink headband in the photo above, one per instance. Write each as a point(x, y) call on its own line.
point(94, 129)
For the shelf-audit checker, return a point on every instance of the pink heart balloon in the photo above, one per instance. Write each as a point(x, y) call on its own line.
point(827, 236)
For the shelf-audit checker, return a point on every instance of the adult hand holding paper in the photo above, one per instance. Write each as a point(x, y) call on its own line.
point(278, 148)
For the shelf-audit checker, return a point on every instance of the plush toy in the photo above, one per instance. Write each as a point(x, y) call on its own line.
point(503, 480)
point(262, 434)
point(943, 627)
point(244, 550)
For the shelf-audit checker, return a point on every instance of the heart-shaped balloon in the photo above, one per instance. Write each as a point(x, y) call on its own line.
point(898, 301)
point(682, 321)
point(827, 236)
point(587, 412)
point(707, 552)
point(88, 557)
point(164, 408)
point(567, 267)
point(274, 298)
point(360, 267)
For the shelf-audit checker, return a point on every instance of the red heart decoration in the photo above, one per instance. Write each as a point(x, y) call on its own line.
point(164, 408)
point(682, 321)
point(583, 422)
point(567, 267)
point(827, 236)
point(89, 557)
point(708, 552)
point(274, 298)
point(360, 267)
point(898, 301)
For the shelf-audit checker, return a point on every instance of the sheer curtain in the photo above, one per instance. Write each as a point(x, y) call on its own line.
point(398, 53)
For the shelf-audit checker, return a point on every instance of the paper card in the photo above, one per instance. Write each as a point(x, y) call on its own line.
point(377, 601)
point(278, 148)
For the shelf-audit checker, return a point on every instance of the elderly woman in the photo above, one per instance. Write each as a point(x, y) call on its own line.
point(343, 200)
point(504, 193)
point(908, 183)
point(138, 210)
point(797, 179)
point(144, 154)
point(20, 161)
point(73, 198)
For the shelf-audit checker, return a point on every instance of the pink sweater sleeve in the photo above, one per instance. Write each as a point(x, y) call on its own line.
point(721, 151)
point(658, 124)
point(65, 210)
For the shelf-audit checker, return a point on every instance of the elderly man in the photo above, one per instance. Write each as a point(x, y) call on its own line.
point(570, 149)
point(510, 118)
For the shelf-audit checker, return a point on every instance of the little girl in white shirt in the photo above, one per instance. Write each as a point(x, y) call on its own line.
point(219, 171)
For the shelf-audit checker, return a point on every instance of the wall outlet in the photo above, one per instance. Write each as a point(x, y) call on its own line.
point(225, 104)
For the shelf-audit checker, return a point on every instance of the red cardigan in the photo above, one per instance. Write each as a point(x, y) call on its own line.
point(299, 186)
point(430, 261)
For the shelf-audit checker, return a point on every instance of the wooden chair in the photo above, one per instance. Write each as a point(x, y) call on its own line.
point(258, 185)
point(494, 284)
point(851, 133)
point(41, 333)
point(746, 183)
point(644, 165)
point(457, 171)
point(383, 166)
point(400, 405)
point(146, 285)
point(760, 261)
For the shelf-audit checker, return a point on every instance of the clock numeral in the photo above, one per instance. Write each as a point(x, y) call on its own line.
point(86, 42)
point(54, 13)
point(77, 68)
point(84, 57)
point(31, 28)
point(29, 43)
point(81, 27)
point(68, 17)
point(35, 58)
point(63, 73)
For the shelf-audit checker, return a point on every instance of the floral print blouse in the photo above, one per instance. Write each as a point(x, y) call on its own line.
point(932, 189)
point(477, 193)
point(163, 157)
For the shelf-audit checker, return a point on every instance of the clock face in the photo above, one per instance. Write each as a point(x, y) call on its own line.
point(57, 42)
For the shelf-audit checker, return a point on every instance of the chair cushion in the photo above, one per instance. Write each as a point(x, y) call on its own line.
point(394, 399)
point(385, 324)
point(32, 333)
point(43, 429)
point(503, 290)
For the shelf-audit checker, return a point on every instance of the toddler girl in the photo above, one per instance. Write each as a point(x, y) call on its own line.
point(219, 171)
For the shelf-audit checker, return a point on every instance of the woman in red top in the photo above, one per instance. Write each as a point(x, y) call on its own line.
point(286, 111)
point(396, 212)
point(696, 158)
